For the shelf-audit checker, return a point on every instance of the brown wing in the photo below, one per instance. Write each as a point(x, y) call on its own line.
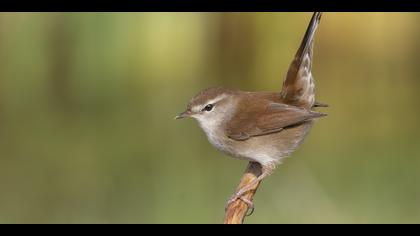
point(265, 117)
point(298, 87)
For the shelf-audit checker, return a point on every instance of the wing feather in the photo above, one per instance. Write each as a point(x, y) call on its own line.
point(266, 118)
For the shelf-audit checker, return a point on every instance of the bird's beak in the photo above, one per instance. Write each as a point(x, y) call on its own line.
point(183, 115)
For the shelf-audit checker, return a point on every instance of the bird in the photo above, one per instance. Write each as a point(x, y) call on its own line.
point(262, 127)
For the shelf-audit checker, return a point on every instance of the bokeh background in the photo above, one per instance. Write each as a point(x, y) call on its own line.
point(87, 102)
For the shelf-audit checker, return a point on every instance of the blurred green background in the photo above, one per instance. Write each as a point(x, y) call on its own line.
point(87, 102)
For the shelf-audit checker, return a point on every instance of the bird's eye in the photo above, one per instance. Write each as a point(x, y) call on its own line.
point(209, 107)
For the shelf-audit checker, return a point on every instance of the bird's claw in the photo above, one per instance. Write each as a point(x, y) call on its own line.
point(245, 200)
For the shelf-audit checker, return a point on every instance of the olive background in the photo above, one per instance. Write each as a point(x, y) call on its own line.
point(87, 102)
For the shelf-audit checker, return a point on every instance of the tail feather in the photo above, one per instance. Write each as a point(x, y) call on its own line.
point(298, 87)
point(307, 42)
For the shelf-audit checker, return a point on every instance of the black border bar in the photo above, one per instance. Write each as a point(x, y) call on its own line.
point(209, 5)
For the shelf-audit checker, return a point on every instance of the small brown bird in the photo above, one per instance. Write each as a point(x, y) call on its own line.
point(262, 127)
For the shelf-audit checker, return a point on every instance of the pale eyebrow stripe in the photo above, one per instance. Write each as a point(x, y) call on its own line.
point(217, 99)
point(212, 101)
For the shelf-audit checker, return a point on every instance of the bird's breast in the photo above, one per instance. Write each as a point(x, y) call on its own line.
point(217, 138)
point(241, 150)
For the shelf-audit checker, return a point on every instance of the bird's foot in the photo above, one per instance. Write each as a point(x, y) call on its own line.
point(245, 200)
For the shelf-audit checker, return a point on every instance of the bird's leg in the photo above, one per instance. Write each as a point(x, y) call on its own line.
point(266, 171)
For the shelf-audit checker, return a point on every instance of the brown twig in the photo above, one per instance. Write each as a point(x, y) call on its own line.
point(236, 212)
